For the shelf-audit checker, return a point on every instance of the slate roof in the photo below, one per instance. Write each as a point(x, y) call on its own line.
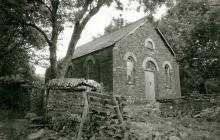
point(107, 40)
point(112, 38)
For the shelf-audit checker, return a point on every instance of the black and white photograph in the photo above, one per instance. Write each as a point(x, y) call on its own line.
point(109, 69)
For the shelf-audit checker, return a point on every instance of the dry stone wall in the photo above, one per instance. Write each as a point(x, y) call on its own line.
point(62, 103)
point(65, 108)
point(189, 105)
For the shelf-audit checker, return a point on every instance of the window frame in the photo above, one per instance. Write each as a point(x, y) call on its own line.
point(132, 81)
point(149, 41)
point(152, 65)
point(167, 71)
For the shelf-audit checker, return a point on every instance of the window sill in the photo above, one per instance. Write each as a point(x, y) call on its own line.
point(152, 49)
point(130, 83)
point(168, 87)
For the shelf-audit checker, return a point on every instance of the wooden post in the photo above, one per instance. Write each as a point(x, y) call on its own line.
point(46, 96)
point(118, 112)
point(120, 117)
point(84, 115)
point(206, 87)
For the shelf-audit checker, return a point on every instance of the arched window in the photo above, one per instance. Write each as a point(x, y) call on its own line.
point(150, 66)
point(130, 70)
point(167, 75)
point(90, 69)
point(149, 44)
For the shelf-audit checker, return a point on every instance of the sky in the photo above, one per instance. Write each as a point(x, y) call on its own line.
point(96, 26)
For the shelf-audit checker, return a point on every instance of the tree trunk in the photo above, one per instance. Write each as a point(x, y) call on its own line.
point(54, 38)
point(62, 69)
point(78, 27)
point(53, 61)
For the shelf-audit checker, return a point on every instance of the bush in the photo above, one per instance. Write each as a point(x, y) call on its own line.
point(13, 96)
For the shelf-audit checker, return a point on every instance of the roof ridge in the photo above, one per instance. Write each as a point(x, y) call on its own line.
point(108, 39)
point(116, 30)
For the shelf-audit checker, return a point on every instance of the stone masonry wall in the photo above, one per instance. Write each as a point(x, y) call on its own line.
point(61, 103)
point(135, 43)
point(189, 105)
point(102, 67)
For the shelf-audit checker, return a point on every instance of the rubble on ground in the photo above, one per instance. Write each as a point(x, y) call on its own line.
point(146, 121)
point(210, 114)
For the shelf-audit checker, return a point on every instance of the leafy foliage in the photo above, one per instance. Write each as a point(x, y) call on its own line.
point(47, 18)
point(104, 128)
point(17, 43)
point(12, 91)
point(115, 25)
point(192, 28)
point(150, 6)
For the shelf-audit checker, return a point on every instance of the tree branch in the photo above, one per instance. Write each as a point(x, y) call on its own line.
point(9, 51)
point(49, 9)
point(84, 10)
point(38, 29)
point(18, 21)
point(92, 13)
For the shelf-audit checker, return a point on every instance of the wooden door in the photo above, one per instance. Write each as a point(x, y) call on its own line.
point(150, 85)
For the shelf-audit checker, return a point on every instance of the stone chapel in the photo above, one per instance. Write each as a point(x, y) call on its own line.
point(135, 61)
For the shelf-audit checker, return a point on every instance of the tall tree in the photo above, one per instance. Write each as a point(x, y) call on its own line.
point(150, 6)
point(30, 15)
point(86, 10)
point(192, 27)
point(49, 16)
point(16, 47)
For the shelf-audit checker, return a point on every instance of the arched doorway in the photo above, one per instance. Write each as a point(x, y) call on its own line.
point(150, 69)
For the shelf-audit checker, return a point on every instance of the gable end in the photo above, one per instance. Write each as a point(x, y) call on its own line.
point(165, 41)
